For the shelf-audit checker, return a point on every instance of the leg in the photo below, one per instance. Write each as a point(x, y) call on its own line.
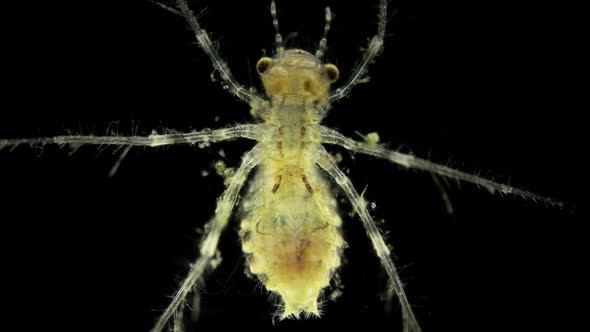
point(330, 136)
point(203, 137)
point(248, 95)
point(208, 246)
point(328, 164)
point(168, 8)
point(375, 47)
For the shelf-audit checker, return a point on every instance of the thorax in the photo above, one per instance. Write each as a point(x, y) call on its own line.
point(290, 146)
point(291, 135)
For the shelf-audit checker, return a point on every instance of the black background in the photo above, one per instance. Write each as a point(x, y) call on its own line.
point(489, 87)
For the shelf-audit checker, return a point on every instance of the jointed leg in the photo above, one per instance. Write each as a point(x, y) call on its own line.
point(375, 47)
point(198, 137)
point(327, 163)
point(208, 247)
point(248, 95)
point(330, 136)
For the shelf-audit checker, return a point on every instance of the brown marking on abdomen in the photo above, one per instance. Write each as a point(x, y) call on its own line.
point(301, 263)
point(324, 226)
point(280, 148)
point(302, 146)
point(246, 236)
point(277, 184)
point(307, 185)
point(280, 141)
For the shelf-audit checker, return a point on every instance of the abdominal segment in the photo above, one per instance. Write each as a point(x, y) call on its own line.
point(293, 245)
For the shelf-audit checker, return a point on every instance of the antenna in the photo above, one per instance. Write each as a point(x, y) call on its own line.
point(324, 41)
point(275, 23)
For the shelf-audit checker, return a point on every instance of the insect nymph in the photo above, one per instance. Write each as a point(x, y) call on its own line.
point(290, 230)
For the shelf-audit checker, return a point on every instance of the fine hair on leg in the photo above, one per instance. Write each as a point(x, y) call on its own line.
point(248, 95)
point(327, 163)
point(209, 242)
point(330, 136)
point(373, 50)
point(249, 131)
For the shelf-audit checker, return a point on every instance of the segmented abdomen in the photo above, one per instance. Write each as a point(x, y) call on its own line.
point(291, 235)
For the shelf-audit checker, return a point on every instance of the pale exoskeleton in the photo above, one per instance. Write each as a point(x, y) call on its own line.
point(289, 207)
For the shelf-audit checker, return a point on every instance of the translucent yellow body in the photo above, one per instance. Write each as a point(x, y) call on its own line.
point(290, 230)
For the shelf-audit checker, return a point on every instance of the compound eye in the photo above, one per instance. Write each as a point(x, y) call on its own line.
point(263, 64)
point(332, 72)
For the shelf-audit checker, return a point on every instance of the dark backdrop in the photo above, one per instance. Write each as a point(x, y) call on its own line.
point(494, 88)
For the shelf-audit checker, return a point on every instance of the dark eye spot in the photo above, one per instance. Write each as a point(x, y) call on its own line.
point(263, 64)
point(332, 72)
point(307, 85)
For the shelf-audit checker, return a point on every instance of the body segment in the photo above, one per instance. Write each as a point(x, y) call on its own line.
point(290, 230)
